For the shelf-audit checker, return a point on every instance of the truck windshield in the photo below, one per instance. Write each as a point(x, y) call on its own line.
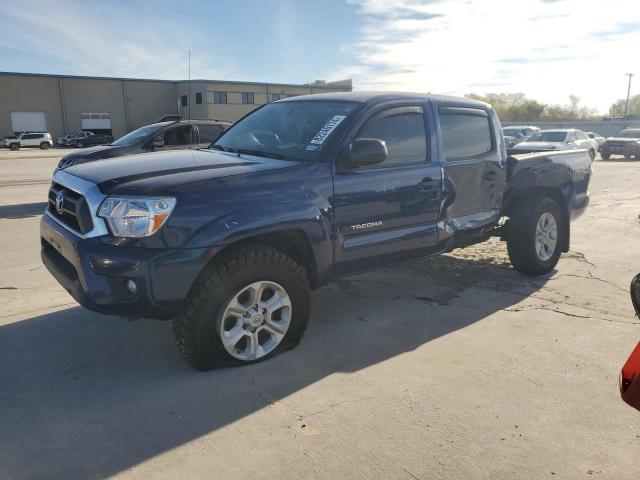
point(293, 130)
point(630, 133)
point(548, 137)
point(139, 134)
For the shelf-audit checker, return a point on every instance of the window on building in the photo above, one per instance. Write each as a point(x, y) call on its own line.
point(183, 100)
point(198, 98)
point(466, 132)
point(219, 97)
point(403, 130)
point(247, 98)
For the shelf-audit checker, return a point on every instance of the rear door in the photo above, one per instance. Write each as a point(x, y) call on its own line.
point(388, 212)
point(474, 159)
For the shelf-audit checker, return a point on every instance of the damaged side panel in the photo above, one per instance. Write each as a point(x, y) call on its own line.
point(473, 171)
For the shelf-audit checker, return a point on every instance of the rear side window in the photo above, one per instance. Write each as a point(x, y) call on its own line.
point(466, 132)
point(177, 136)
point(403, 130)
point(209, 133)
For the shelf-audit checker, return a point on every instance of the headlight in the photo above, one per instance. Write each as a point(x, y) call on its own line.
point(136, 216)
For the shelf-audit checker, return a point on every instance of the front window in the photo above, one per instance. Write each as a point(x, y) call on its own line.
point(630, 133)
point(288, 130)
point(548, 137)
point(136, 135)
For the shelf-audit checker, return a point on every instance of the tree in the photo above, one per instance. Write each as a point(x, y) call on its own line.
point(516, 107)
point(617, 109)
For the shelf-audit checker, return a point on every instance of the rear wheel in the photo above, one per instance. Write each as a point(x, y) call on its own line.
point(249, 305)
point(605, 156)
point(44, 145)
point(14, 146)
point(534, 233)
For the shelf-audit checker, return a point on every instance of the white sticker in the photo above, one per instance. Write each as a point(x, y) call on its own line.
point(329, 127)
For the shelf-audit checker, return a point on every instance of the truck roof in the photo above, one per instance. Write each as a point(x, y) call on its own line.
point(375, 97)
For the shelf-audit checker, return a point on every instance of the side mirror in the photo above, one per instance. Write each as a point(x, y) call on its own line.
point(367, 151)
point(158, 142)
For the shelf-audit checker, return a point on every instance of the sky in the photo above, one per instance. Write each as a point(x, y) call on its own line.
point(547, 49)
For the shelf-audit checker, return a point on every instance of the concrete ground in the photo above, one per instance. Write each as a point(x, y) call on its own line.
point(452, 367)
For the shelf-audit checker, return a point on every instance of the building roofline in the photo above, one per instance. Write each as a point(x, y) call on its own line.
point(328, 85)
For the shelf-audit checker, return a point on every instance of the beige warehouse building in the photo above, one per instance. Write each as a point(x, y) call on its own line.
point(62, 104)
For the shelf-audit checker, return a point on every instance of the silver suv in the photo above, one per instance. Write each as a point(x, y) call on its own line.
point(28, 139)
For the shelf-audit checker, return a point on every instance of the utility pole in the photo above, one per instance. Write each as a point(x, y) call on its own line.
point(626, 105)
point(189, 98)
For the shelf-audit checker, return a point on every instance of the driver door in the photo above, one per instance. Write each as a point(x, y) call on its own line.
point(387, 212)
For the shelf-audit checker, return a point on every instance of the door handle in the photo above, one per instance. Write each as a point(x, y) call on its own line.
point(427, 183)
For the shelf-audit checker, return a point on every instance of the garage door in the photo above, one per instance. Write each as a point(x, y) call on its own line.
point(96, 122)
point(28, 122)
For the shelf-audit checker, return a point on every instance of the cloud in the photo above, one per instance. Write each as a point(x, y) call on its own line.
point(547, 49)
point(100, 39)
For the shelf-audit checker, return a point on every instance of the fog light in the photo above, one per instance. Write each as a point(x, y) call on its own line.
point(132, 287)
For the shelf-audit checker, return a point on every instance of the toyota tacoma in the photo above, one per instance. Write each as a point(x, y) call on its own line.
point(230, 240)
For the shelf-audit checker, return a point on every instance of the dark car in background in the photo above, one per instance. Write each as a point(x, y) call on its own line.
point(89, 139)
point(518, 133)
point(173, 135)
point(626, 143)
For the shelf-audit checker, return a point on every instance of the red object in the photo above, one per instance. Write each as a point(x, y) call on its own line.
point(630, 379)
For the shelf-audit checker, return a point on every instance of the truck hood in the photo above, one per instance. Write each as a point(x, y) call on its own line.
point(540, 146)
point(170, 168)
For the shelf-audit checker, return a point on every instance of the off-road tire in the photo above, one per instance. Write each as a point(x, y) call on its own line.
point(44, 146)
point(14, 146)
point(521, 235)
point(196, 327)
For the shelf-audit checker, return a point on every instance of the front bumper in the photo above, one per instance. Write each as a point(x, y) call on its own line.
point(95, 273)
point(626, 150)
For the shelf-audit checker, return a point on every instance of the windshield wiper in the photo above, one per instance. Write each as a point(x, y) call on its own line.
point(259, 153)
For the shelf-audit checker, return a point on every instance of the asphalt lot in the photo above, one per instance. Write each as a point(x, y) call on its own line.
point(451, 367)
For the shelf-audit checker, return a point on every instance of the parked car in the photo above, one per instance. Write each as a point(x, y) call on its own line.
point(630, 372)
point(561, 139)
point(8, 140)
point(231, 240)
point(41, 140)
point(161, 136)
point(89, 139)
point(518, 133)
point(626, 143)
point(597, 137)
point(62, 141)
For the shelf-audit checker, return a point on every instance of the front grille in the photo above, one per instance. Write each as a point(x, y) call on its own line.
point(75, 210)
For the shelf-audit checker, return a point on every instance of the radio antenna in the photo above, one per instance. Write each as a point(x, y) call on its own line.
point(189, 97)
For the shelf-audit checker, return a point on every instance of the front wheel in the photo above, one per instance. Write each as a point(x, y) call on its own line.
point(246, 307)
point(44, 145)
point(534, 233)
point(14, 146)
point(605, 156)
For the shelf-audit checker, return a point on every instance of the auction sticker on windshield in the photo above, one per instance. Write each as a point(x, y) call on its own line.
point(325, 131)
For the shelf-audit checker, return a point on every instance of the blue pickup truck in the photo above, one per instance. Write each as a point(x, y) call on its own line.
point(230, 240)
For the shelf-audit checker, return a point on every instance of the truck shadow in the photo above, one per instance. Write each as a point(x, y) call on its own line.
point(87, 396)
point(24, 210)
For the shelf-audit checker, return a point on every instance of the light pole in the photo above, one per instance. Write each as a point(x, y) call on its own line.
point(626, 105)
